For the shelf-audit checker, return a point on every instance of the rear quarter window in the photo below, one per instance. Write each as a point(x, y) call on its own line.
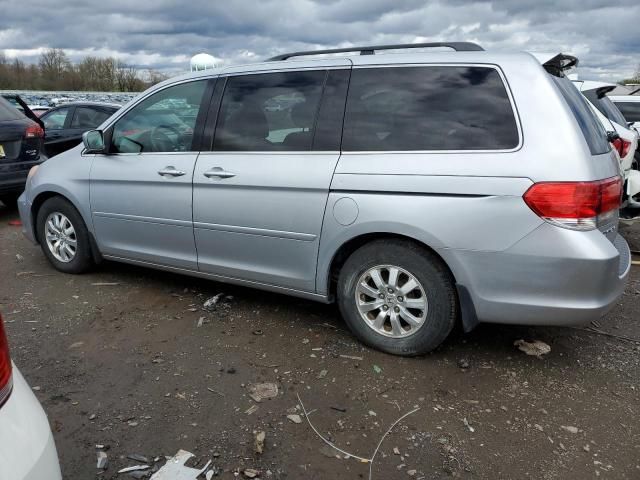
point(429, 108)
point(592, 130)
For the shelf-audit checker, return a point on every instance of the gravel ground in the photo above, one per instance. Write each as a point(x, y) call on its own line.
point(129, 358)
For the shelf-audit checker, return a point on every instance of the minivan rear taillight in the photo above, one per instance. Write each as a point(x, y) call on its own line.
point(34, 131)
point(622, 146)
point(575, 205)
point(6, 383)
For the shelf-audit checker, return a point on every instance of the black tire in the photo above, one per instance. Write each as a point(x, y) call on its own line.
point(429, 270)
point(83, 259)
point(10, 200)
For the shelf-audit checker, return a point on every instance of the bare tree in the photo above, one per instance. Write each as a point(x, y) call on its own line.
point(127, 78)
point(53, 65)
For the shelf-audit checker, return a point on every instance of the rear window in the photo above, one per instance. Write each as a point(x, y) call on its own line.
point(428, 108)
point(8, 111)
point(606, 107)
point(593, 131)
point(630, 110)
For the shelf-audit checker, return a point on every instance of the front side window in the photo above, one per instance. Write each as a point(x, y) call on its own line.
point(88, 117)
point(163, 122)
point(428, 108)
point(630, 110)
point(267, 112)
point(55, 120)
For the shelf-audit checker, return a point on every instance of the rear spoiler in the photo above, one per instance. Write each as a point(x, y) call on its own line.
point(556, 64)
point(27, 111)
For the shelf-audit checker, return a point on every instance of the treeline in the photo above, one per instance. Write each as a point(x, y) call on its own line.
point(55, 71)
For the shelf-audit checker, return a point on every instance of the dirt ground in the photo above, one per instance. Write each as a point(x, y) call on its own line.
point(127, 365)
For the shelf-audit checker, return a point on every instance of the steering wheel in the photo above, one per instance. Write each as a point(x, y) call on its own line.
point(161, 142)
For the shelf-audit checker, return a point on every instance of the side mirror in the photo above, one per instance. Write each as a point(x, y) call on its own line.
point(93, 141)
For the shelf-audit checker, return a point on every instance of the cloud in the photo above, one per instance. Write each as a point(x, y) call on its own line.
point(164, 34)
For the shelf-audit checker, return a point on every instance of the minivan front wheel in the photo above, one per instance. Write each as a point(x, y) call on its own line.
point(397, 297)
point(63, 236)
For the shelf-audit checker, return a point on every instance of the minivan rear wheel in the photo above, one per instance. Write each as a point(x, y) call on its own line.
point(63, 236)
point(397, 297)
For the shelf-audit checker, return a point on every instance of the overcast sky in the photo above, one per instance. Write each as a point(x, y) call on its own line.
point(164, 34)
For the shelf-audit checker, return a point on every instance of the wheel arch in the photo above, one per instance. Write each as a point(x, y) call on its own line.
point(468, 315)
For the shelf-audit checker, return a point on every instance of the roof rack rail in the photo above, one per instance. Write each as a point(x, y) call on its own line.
point(371, 50)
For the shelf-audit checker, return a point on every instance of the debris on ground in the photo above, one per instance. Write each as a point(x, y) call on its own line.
point(212, 390)
point(570, 429)
point(175, 468)
point(377, 369)
point(463, 363)
point(262, 391)
point(19, 257)
point(200, 322)
point(259, 442)
point(295, 418)
point(350, 357)
point(105, 284)
point(251, 473)
point(134, 468)
point(466, 424)
point(211, 303)
point(15, 223)
point(138, 458)
point(535, 348)
point(103, 460)
point(251, 409)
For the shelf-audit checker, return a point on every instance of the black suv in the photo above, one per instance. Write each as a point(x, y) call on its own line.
point(21, 147)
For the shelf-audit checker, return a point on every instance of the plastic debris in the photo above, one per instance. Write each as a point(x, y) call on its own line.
point(262, 391)
point(138, 458)
point(251, 473)
point(252, 409)
point(351, 357)
point(323, 373)
point(103, 460)
point(211, 303)
point(295, 418)
point(135, 468)
point(570, 429)
point(535, 348)
point(175, 468)
point(259, 442)
point(377, 369)
point(466, 424)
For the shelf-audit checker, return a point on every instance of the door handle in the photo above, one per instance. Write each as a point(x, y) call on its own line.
point(171, 172)
point(219, 173)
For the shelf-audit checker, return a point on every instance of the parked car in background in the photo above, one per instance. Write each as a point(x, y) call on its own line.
point(66, 123)
point(27, 448)
point(626, 144)
point(629, 106)
point(418, 190)
point(39, 109)
point(21, 147)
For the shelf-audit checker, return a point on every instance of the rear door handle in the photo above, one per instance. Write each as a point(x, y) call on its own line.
point(171, 171)
point(219, 173)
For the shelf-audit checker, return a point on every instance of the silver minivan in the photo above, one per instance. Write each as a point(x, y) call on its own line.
point(417, 190)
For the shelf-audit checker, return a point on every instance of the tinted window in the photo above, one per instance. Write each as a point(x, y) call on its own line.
point(605, 106)
point(630, 110)
point(164, 122)
point(55, 120)
point(273, 111)
point(593, 131)
point(88, 117)
point(428, 108)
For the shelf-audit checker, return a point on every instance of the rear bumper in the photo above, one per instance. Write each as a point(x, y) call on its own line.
point(24, 207)
point(27, 449)
point(552, 277)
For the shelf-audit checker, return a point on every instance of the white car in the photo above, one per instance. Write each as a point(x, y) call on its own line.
point(629, 106)
point(27, 449)
point(613, 120)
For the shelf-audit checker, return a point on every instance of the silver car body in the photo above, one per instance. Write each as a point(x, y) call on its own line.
point(285, 219)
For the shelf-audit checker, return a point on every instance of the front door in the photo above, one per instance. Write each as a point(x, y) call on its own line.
point(141, 200)
point(260, 194)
